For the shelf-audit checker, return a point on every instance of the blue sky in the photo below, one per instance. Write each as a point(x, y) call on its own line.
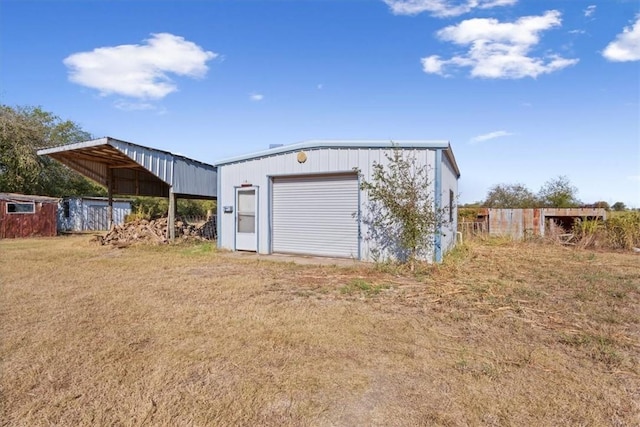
point(525, 90)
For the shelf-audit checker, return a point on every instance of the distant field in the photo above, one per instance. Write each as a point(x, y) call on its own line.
point(501, 334)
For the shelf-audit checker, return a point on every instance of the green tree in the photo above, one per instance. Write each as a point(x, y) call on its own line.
point(24, 130)
point(401, 214)
point(510, 196)
point(619, 207)
point(559, 193)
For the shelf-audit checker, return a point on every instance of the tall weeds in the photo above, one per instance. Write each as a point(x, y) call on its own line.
point(623, 231)
point(589, 233)
point(618, 232)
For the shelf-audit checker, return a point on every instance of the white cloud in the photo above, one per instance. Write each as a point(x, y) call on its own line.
point(590, 10)
point(626, 46)
point(139, 70)
point(432, 65)
point(634, 178)
point(499, 50)
point(256, 97)
point(443, 8)
point(490, 135)
point(125, 105)
point(122, 104)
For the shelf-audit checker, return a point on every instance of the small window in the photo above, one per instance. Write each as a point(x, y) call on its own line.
point(246, 211)
point(21, 208)
point(451, 196)
point(66, 208)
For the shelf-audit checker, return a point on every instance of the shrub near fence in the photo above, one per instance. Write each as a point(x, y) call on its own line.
point(156, 207)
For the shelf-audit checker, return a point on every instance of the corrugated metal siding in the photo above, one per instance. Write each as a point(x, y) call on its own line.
point(520, 223)
point(156, 162)
point(96, 218)
point(449, 183)
point(316, 215)
point(258, 172)
point(279, 149)
point(186, 176)
point(506, 222)
point(192, 178)
point(42, 223)
point(96, 214)
point(91, 214)
point(74, 221)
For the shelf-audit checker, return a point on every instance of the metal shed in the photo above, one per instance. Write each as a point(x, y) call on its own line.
point(90, 213)
point(305, 198)
point(130, 169)
point(521, 223)
point(23, 215)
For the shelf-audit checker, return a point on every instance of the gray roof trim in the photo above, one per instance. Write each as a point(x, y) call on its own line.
point(449, 154)
point(74, 146)
point(344, 144)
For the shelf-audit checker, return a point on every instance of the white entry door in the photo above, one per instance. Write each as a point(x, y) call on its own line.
point(246, 220)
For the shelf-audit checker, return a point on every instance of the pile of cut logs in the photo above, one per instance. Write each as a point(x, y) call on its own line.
point(155, 232)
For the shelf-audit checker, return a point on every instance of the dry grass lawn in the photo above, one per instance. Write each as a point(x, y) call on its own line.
point(502, 334)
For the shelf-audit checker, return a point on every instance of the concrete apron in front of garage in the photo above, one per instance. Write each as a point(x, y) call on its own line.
point(299, 259)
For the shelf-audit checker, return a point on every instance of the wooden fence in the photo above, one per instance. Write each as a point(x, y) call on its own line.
point(473, 228)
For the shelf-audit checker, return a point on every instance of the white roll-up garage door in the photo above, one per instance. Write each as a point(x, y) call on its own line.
point(316, 215)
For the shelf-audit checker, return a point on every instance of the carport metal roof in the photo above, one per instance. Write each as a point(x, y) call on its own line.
point(131, 169)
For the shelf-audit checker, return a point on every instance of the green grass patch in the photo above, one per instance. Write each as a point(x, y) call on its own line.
point(199, 248)
point(361, 286)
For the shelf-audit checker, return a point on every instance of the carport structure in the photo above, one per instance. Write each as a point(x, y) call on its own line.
point(134, 170)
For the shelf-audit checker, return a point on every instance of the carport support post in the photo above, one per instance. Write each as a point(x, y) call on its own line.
point(110, 198)
point(171, 223)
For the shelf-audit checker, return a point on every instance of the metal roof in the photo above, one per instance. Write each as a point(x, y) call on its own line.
point(16, 197)
point(346, 144)
point(137, 170)
point(97, 198)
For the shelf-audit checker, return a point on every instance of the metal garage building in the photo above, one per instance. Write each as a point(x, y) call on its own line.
point(305, 198)
point(133, 170)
